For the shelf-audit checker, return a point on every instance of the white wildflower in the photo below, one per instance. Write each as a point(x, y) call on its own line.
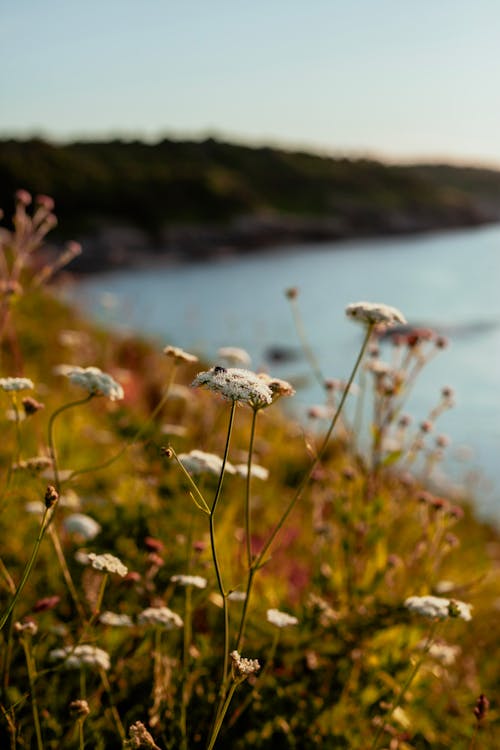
point(236, 384)
point(237, 596)
point(179, 355)
point(443, 652)
point(81, 656)
point(162, 617)
point(372, 313)
point(29, 627)
point(280, 619)
point(85, 526)
point(116, 620)
point(34, 465)
point(35, 507)
point(243, 667)
point(82, 556)
point(437, 607)
point(199, 462)
point(278, 386)
point(16, 384)
point(108, 563)
point(233, 355)
point(93, 380)
point(259, 472)
point(197, 581)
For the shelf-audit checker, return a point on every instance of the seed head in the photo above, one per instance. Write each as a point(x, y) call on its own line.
point(51, 496)
point(372, 313)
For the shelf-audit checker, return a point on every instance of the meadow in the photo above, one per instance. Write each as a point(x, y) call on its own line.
point(184, 566)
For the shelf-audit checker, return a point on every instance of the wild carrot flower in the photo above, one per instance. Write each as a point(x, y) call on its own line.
point(278, 386)
point(371, 313)
point(280, 619)
point(85, 526)
point(83, 655)
point(162, 617)
point(199, 462)
point(108, 563)
point(235, 384)
point(94, 381)
point(233, 355)
point(29, 627)
point(237, 596)
point(439, 608)
point(243, 667)
point(116, 620)
point(16, 384)
point(259, 472)
point(197, 581)
point(140, 738)
point(179, 355)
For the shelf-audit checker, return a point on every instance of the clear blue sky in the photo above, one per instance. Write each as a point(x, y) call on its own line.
point(398, 79)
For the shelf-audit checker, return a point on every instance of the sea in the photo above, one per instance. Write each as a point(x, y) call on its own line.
point(448, 281)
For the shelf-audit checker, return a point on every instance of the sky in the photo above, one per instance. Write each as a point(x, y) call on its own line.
point(390, 79)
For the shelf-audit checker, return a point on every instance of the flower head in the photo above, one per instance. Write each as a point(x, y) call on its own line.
point(278, 386)
point(94, 381)
point(85, 526)
point(243, 667)
point(16, 384)
point(162, 617)
point(439, 608)
point(236, 384)
point(199, 462)
point(108, 563)
point(116, 620)
point(281, 619)
point(259, 472)
point(197, 581)
point(372, 313)
point(233, 355)
point(83, 655)
point(179, 355)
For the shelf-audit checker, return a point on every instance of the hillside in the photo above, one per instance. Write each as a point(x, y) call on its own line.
point(128, 199)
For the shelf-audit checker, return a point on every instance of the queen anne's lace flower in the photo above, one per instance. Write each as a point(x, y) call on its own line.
point(278, 386)
point(116, 620)
point(199, 462)
point(259, 472)
point(233, 355)
point(243, 667)
point(439, 608)
point(236, 384)
point(179, 355)
point(281, 619)
point(93, 380)
point(197, 581)
point(108, 563)
point(372, 313)
point(162, 617)
point(81, 656)
point(85, 526)
point(16, 384)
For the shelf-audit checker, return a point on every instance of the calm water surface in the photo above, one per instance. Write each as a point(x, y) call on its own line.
point(450, 281)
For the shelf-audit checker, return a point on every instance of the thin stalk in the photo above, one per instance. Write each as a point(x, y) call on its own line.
point(188, 612)
point(30, 665)
point(246, 602)
point(27, 569)
point(249, 697)
point(221, 715)
point(50, 435)
point(248, 520)
point(406, 686)
point(304, 342)
point(56, 542)
point(114, 712)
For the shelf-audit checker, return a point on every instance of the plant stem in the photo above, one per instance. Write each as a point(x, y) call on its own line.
point(248, 520)
point(50, 435)
point(26, 643)
point(220, 716)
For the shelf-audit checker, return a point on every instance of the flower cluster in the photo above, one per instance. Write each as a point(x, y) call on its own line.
point(372, 313)
point(233, 355)
point(16, 384)
point(85, 526)
point(75, 657)
point(197, 581)
point(93, 380)
point(437, 607)
point(259, 472)
point(162, 617)
point(199, 462)
point(235, 384)
point(243, 667)
point(281, 619)
point(179, 355)
point(116, 620)
point(108, 563)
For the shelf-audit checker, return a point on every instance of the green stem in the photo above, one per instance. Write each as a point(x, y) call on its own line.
point(302, 486)
point(221, 715)
point(31, 677)
point(406, 686)
point(27, 569)
point(50, 431)
point(188, 611)
point(248, 520)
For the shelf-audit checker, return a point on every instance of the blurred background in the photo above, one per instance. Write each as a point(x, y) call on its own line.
point(209, 155)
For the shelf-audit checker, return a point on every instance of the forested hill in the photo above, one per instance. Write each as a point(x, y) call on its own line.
point(187, 198)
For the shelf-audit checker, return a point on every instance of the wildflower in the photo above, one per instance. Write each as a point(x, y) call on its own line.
point(84, 655)
point(31, 406)
point(46, 603)
point(140, 738)
point(237, 596)
point(372, 313)
point(243, 667)
point(34, 465)
point(162, 617)
point(439, 608)
point(179, 355)
point(196, 581)
point(236, 384)
point(199, 462)
point(108, 563)
point(443, 653)
point(51, 496)
point(233, 355)
point(16, 384)
point(29, 627)
point(93, 380)
point(116, 620)
point(280, 619)
point(85, 526)
point(79, 709)
point(278, 386)
point(259, 472)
